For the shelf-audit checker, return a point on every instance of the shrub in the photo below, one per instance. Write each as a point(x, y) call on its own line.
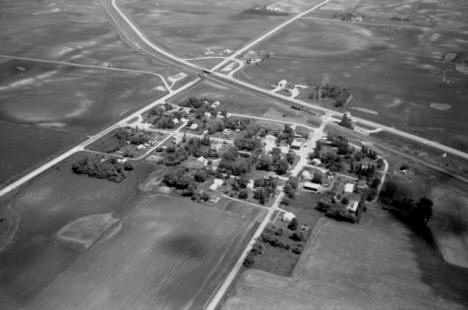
point(293, 224)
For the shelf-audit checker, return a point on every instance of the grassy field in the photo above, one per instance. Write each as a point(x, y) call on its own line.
point(404, 69)
point(169, 254)
point(378, 264)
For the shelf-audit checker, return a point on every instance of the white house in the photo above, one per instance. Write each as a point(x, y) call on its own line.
point(194, 126)
point(306, 175)
point(215, 104)
point(352, 206)
point(349, 188)
point(207, 114)
point(296, 144)
point(216, 183)
point(288, 216)
point(316, 162)
point(203, 160)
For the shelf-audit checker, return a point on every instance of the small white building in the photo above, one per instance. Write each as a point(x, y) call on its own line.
point(314, 187)
point(141, 147)
point(349, 188)
point(175, 120)
point(288, 216)
point(207, 114)
point(216, 183)
point(203, 160)
point(352, 206)
point(215, 104)
point(227, 132)
point(306, 175)
point(194, 126)
point(282, 84)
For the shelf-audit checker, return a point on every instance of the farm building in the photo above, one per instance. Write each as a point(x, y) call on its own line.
point(314, 187)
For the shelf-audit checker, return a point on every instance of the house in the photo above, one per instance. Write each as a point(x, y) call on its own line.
point(352, 206)
point(216, 183)
point(203, 160)
point(215, 104)
point(288, 216)
point(214, 200)
point(282, 84)
point(207, 114)
point(122, 160)
point(244, 154)
point(194, 126)
point(251, 184)
point(140, 147)
point(227, 132)
point(296, 144)
point(349, 188)
point(175, 120)
point(314, 187)
point(306, 175)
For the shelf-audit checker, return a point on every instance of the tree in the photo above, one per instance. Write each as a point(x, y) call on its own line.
point(346, 121)
point(422, 211)
point(290, 157)
point(293, 224)
point(243, 194)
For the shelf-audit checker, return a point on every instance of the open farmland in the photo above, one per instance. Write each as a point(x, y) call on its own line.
point(33, 259)
point(169, 254)
point(397, 74)
point(82, 33)
point(194, 28)
point(59, 105)
point(379, 264)
point(167, 251)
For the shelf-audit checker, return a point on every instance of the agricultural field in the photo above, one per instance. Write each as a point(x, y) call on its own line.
point(405, 77)
point(83, 34)
point(133, 243)
point(348, 266)
point(59, 105)
point(204, 28)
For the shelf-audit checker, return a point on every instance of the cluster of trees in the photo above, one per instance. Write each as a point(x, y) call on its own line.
point(337, 210)
point(248, 142)
point(200, 147)
point(265, 188)
point(232, 164)
point(274, 237)
point(275, 161)
point(339, 94)
point(365, 170)
point(160, 118)
point(123, 136)
point(346, 121)
point(287, 134)
point(100, 168)
point(185, 181)
point(290, 187)
point(418, 213)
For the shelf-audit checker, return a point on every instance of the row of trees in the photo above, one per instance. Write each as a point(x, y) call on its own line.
point(185, 181)
point(100, 168)
point(265, 188)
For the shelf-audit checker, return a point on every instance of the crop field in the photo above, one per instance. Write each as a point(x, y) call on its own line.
point(349, 266)
point(169, 254)
point(27, 145)
point(397, 74)
point(193, 28)
point(244, 102)
point(82, 34)
point(34, 259)
point(58, 104)
point(167, 251)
